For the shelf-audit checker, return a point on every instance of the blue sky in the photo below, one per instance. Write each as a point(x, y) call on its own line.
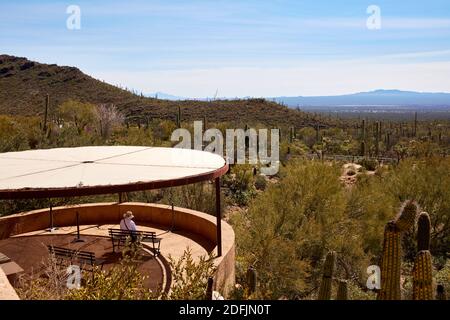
point(240, 48)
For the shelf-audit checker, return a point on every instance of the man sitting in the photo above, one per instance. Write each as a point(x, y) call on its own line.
point(127, 222)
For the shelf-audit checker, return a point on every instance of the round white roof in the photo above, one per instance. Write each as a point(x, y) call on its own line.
point(97, 170)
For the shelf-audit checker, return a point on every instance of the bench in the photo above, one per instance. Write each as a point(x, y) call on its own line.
point(119, 236)
point(84, 258)
point(4, 258)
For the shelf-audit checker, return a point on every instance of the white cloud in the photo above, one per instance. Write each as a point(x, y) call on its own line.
point(386, 23)
point(415, 23)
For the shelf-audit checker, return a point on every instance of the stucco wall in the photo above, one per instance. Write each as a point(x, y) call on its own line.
point(145, 214)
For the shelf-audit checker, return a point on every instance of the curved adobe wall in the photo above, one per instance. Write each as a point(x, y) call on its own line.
point(145, 214)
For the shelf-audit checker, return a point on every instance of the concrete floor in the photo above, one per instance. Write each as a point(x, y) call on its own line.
point(29, 249)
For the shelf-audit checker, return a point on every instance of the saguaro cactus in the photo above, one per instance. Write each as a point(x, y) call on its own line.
point(317, 133)
point(363, 148)
point(47, 103)
point(390, 264)
point(415, 124)
point(377, 139)
point(422, 276)
point(422, 271)
point(440, 292)
point(342, 292)
point(328, 269)
point(423, 232)
point(179, 117)
point(407, 216)
point(363, 130)
point(251, 280)
point(388, 141)
point(391, 259)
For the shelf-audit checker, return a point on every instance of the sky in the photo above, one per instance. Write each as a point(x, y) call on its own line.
point(257, 48)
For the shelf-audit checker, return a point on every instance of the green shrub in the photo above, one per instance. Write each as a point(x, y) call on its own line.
point(369, 164)
point(240, 184)
point(260, 183)
point(190, 277)
point(292, 224)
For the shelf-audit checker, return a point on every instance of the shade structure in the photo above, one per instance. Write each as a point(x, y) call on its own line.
point(67, 172)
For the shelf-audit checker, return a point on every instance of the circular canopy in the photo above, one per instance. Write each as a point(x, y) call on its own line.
point(68, 172)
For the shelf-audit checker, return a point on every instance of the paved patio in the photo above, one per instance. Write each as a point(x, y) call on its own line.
point(29, 249)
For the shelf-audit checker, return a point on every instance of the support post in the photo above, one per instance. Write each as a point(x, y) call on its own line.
point(51, 228)
point(78, 238)
point(219, 219)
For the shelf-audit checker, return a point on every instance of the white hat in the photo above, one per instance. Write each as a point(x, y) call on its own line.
point(128, 214)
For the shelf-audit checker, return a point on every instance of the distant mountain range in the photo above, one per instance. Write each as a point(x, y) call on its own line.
point(377, 98)
point(373, 98)
point(165, 96)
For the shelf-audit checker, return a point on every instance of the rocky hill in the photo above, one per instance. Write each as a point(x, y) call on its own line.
point(24, 85)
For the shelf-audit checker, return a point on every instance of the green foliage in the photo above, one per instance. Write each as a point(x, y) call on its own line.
point(442, 276)
point(198, 196)
point(428, 182)
point(240, 184)
point(122, 282)
point(49, 284)
point(190, 277)
point(133, 136)
point(13, 138)
point(289, 228)
point(308, 136)
point(369, 164)
point(162, 130)
point(357, 292)
point(80, 115)
point(292, 224)
point(260, 183)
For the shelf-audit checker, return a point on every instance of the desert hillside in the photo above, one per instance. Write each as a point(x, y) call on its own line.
point(24, 84)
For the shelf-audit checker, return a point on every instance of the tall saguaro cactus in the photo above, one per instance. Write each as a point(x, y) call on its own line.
point(422, 276)
point(342, 291)
point(440, 292)
point(317, 133)
point(407, 216)
point(292, 135)
point(47, 103)
point(423, 232)
point(327, 277)
point(391, 259)
point(252, 280)
point(390, 264)
point(422, 271)
point(377, 139)
point(415, 124)
point(388, 141)
point(179, 117)
point(363, 138)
